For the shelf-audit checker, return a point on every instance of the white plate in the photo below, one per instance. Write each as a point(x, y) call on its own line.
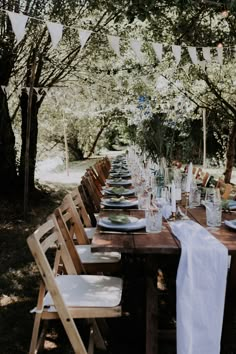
point(122, 174)
point(232, 204)
point(118, 205)
point(119, 183)
point(231, 224)
point(131, 220)
point(140, 224)
point(127, 192)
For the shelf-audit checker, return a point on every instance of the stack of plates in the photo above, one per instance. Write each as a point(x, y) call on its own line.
point(131, 224)
point(119, 182)
point(119, 204)
point(119, 191)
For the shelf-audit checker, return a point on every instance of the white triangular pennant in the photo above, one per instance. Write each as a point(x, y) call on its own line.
point(220, 55)
point(114, 42)
point(136, 46)
point(206, 52)
point(18, 22)
point(55, 30)
point(193, 54)
point(176, 49)
point(158, 48)
point(84, 36)
point(39, 95)
point(7, 90)
point(3, 88)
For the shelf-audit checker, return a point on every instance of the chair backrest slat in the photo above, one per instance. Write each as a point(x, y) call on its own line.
point(80, 207)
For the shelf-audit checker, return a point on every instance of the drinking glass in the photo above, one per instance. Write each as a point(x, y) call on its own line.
point(212, 195)
point(143, 200)
point(194, 196)
point(153, 219)
point(213, 213)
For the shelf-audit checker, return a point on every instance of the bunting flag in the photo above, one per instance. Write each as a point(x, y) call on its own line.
point(84, 36)
point(193, 54)
point(3, 88)
point(176, 49)
point(136, 46)
point(114, 42)
point(55, 30)
point(158, 48)
point(206, 52)
point(27, 90)
point(220, 55)
point(18, 23)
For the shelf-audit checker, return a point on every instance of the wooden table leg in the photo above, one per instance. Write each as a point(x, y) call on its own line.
point(151, 318)
point(230, 307)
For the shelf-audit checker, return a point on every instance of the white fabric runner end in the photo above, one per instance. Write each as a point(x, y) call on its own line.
point(201, 286)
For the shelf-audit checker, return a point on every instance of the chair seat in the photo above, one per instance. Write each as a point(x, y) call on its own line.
point(90, 231)
point(88, 291)
point(87, 256)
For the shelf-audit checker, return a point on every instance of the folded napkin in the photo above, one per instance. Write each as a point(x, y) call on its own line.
point(166, 211)
point(201, 285)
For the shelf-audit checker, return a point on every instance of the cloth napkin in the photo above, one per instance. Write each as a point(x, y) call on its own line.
point(201, 286)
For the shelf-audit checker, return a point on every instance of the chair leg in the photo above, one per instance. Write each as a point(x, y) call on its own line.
point(91, 341)
point(41, 340)
point(98, 339)
point(34, 340)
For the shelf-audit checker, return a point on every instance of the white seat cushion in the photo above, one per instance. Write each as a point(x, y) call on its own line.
point(88, 291)
point(87, 256)
point(90, 231)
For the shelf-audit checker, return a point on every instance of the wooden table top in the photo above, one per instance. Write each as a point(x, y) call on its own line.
point(140, 242)
point(224, 234)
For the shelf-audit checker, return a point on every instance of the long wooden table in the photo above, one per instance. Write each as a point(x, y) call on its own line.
point(164, 243)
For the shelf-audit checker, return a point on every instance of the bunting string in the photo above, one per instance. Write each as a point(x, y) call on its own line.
point(55, 29)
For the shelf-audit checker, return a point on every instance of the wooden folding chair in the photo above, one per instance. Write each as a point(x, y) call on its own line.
point(89, 206)
point(205, 179)
point(71, 227)
point(225, 188)
point(97, 185)
point(100, 172)
point(93, 195)
point(69, 296)
point(82, 213)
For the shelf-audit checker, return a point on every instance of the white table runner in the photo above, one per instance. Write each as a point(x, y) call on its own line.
point(201, 285)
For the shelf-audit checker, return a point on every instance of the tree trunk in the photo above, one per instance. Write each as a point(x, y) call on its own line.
point(8, 175)
point(230, 154)
point(33, 138)
point(75, 152)
point(91, 151)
